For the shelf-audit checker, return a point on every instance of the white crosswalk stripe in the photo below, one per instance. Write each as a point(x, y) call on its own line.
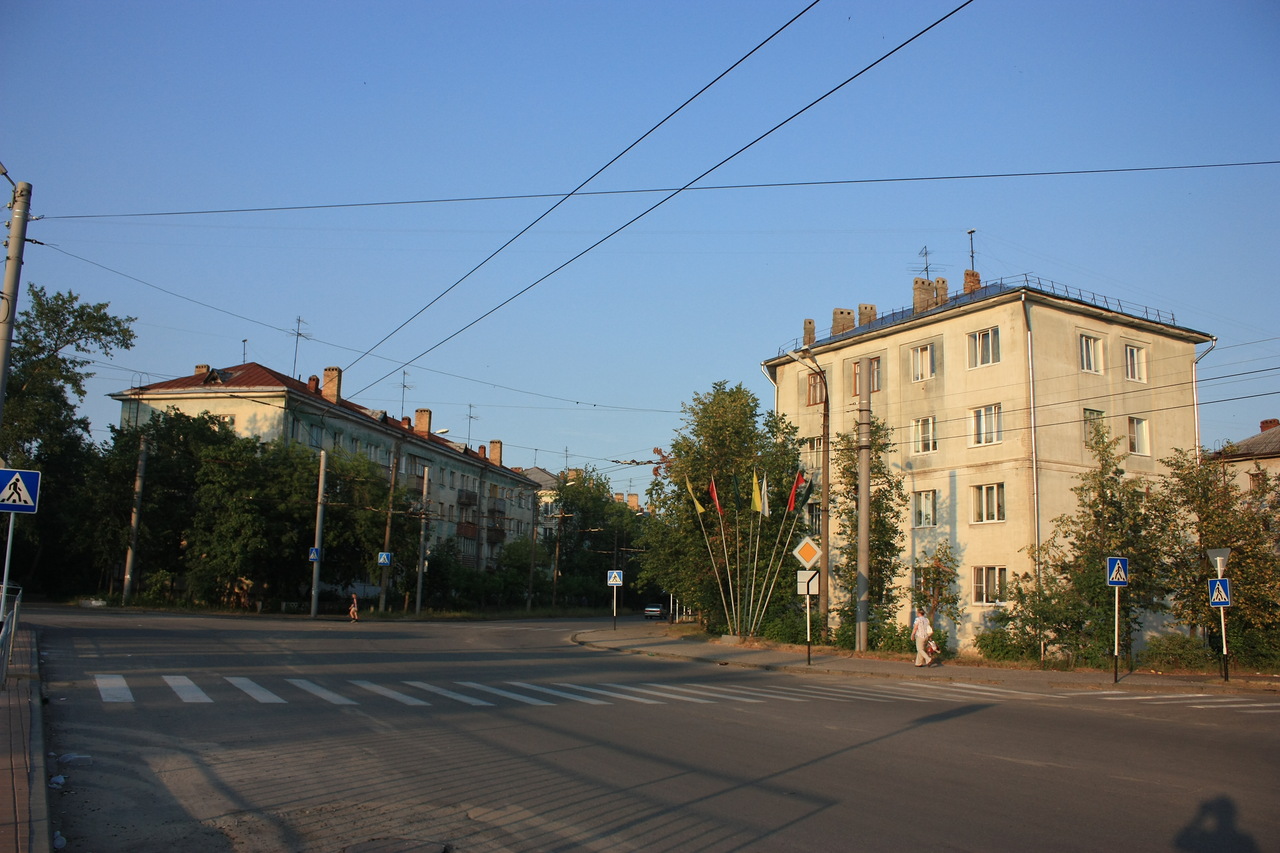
point(186, 688)
point(321, 692)
point(402, 698)
point(639, 699)
point(258, 692)
point(450, 694)
point(113, 688)
point(586, 700)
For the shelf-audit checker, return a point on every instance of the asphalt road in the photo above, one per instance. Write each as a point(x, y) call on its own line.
point(268, 734)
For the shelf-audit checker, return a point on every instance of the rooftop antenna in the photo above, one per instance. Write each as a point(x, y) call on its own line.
point(924, 253)
point(404, 385)
point(470, 418)
point(298, 335)
point(244, 350)
point(971, 266)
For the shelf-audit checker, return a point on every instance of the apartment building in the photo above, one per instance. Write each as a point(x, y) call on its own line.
point(470, 494)
point(990, 393)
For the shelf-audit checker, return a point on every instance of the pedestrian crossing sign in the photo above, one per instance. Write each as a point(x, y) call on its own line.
point(19, 490)
point(615, 578)
point(1219, 592)
point(1117, 571)
point(314, 555)
point(384, 558)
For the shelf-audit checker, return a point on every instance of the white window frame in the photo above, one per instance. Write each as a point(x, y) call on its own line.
point(1090, 417)
point(1139, 436)
point(1090, 353)
point(924, 435)
point(988, 503)
point(1135, 363)
point(984, 347)
point(989, 584)
point(922, 363)
point(924, 508)
point(988, 425)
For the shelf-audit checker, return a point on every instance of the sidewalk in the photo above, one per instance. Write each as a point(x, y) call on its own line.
point(24, 806)
point(646, 638)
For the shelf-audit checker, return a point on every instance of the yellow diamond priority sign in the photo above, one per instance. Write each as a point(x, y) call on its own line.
point(808, 552)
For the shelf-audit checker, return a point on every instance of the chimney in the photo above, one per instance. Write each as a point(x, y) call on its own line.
point(972, 281)
point(495, 451)
point(313, 384)
point(422, 421)
point(633, 501)
point(333, 384)
point(866, 315)
point(202, 369)
point(1270, 423)
point(617, 497)
point(926, 294)
point(406, 421)
point(841, 320)
point(483, 452)
point(809, 336)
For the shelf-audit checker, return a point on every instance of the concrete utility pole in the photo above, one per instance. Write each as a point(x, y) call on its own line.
point(422, 541)
point(386, 536)
point(134, 522)
point(864, 502)
point(12, 275)
point(319, 541)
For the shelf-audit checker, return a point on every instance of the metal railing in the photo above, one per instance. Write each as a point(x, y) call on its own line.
point(13, 602)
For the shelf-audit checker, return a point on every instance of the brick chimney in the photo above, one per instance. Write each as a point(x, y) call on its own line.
point(866, 314)
point(422, 421)
point(972, 281)
point(927, 294)
point(841, 320)
point(313, 384)
point(495, 451)
point(202, 369)
point(333, 384)
point(809, 334)
point(1270, 423)
point(633, 501)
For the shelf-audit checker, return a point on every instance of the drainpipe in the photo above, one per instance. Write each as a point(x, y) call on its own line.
point(1035, 451)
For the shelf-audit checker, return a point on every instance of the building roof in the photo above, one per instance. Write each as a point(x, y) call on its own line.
point(1264, 444)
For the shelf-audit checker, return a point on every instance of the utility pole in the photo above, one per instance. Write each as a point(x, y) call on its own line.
point(533, 553)
point(134, 523)
point(12, 275)
point(864, 502)
point(386, 536)
point(319, 540)
point(422, 540)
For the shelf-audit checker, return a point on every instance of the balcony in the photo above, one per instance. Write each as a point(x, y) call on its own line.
point(467, 497)
point(497, 506)
point(495, 534)
point(468, 530)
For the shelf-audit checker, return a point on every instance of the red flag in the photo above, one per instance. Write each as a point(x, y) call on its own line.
point(715, 499)
point(795, 487)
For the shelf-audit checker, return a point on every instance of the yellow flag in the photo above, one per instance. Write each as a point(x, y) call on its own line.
point(697, 506)
point(755, 492)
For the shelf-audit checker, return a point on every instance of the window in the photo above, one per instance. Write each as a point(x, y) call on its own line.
point(988, 503)
point(986, 424)
point(875, 376)
point(922, 363)
point(817, 389)
point(923, 437)
point(924, 508)
point(988, 584)
point(1139, 442)
point(1135, 363)
point(1257, 481)
point(984, 347)
point(315, 435)
point(1092, 418)
point(1090, 354)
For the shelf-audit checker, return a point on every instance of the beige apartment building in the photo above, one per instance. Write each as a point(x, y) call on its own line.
point(989, 393)
point(470, 494)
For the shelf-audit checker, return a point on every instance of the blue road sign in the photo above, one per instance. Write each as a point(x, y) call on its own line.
point(384, 558)
point(314, 555)
point(1117, 571)
point(615, 578)
point(1219, 592)
point(19, 490)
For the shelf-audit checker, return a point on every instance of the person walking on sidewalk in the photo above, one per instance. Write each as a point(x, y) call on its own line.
point(354, 610)
point(921, 631)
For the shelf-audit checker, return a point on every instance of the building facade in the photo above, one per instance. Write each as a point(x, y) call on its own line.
point(990, 393)
point(469, 493)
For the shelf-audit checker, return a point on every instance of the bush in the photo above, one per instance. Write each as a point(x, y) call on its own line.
point(1177, 651)
point(1002, 644)
point(788, 627)
point(1256, 649)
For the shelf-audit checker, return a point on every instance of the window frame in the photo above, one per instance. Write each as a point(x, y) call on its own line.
point(984, 347)
point(875, 375)
point(816, 393)
point(988, 425)
point(1090, 353)
point(983, 510)
point(924, 435)
point(1135, 363)
point(923, 362)
point(920, 500)
point(984, 577)
point(1139, 436)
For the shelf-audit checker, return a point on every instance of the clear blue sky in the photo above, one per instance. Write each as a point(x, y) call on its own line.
point(150, 107)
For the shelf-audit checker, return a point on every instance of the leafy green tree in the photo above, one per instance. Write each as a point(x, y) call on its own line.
point(888, 500)
point(937, 587)
point(717, 555)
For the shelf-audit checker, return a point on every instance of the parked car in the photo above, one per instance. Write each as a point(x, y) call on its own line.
point(655, 611)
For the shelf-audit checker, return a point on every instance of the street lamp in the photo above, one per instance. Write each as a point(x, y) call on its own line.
point(824, 565)
point(1219, 558)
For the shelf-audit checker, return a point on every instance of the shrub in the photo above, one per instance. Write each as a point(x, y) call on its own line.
point(1177, 651)
point(1002, 644)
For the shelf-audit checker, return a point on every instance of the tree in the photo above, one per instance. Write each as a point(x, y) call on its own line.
point(712, 549)
point(888, 499)
point(937, 583)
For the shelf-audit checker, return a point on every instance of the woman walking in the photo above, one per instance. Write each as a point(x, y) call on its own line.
point(921, 631)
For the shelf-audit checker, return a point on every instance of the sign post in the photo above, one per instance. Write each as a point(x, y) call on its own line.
point(808, 584)
point(19, 492)
point(615, 581)
point(1220, 597)
point(1117, 576)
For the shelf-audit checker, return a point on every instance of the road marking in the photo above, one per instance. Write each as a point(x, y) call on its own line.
point(660, 693)
point(1199, 696)
point(985, 689)
point(497, 691)
point(1149, 698)
point(449, 694)
point(320, 692)
point(402, 698)
point(706, 691)
point(838, 695)
point(586, 700)
point(1241, 705)
point(883, 692)
point(640, 699)
point(186, 688)
point(1270, 711)
point(112, 688)
point(755, 691)
point(258, 692)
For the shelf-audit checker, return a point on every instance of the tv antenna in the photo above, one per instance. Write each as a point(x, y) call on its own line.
point(404, 386)
point(298, 335)
point(971, 266)
point(924, 253)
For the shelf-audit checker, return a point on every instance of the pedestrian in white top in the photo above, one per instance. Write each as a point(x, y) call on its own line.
point(921, 631)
